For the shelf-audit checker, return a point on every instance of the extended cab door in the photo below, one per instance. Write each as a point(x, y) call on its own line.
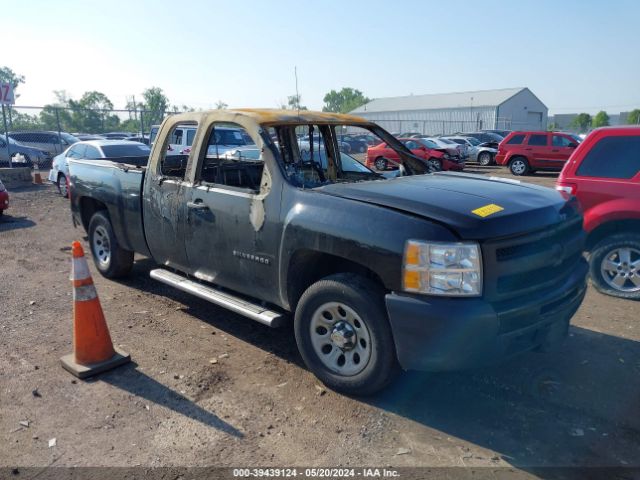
point(164, 204)
point(232, 223)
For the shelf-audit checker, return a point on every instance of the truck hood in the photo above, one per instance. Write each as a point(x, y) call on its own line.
point(451, 198)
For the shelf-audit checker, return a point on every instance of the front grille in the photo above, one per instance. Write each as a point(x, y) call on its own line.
point(529, 263)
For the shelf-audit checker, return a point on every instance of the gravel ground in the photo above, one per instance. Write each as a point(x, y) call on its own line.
point(258, 405)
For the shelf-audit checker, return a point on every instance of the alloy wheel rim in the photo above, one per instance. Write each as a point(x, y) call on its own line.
point(101, 245)
point(518, 166)
point(340, 338)
point(620, 268)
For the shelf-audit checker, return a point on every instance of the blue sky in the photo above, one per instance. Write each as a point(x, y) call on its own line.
point(574, 55)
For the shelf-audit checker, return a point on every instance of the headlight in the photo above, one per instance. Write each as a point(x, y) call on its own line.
point(442, 268)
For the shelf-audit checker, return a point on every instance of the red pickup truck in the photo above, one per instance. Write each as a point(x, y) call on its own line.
point(604, 173)
point(526, 152)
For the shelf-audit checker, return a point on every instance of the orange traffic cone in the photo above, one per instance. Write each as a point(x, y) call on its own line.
point(37, 179)
point(93, 351)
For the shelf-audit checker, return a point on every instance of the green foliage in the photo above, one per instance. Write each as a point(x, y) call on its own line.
point(582, 122)
point(600, 120)
point(293, 103)
point(634, 117)
point(553, 127)
point(220, 105)
point(156, 104)
point(344, 101)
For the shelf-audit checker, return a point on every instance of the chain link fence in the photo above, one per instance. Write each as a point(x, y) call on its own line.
point(34, 135)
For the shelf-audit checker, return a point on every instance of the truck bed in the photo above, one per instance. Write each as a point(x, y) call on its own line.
point(114, 184)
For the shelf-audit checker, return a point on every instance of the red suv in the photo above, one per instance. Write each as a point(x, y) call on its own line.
point(604, 173)
point(526, 152)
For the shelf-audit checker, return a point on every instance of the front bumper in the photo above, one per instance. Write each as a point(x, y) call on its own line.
point(444, 333)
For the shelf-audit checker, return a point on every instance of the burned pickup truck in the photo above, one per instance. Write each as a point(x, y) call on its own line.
point(426, 271)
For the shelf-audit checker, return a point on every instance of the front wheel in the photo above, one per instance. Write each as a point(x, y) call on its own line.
point(614, 266)
point(111, 260)
point(380, 163)
point(484, 159)
point(343, 334)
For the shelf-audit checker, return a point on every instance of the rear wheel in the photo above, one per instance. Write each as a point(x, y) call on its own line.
point(614, 266)
point(63, 186)
point(362, 149)
point(380, 163)
point(343, 335)
point(519, 166)
point(484, 159)
point(111, 260)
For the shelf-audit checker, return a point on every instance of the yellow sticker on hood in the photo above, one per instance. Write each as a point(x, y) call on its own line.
point(487, 210)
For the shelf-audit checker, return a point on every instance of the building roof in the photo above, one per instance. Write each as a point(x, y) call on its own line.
point(437, 101)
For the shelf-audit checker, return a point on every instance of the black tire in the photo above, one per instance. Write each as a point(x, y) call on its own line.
point(485, 159)
point(380, 163)
point(366, 298)
point(63, 190)
point(605, 249)
point(519, 166)
point(119, 261)
point(362, 149)
point(346, 148)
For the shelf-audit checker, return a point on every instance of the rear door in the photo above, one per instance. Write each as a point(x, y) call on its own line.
point(537, 149)
point(562, 146)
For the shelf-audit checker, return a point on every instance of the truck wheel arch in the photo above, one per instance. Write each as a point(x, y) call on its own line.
point(89, 206)
point(308, 266)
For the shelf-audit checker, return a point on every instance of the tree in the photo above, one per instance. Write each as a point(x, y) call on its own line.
point(9, 76)
point(552, 127)
point(600, 120)
point(156, 104)
point(220, 105)
point(582, 122)
point(634, 117)
point(344, 101)
point(293, 102)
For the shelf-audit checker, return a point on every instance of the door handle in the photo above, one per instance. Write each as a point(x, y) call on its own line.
point(197, 205)
point(556, 150)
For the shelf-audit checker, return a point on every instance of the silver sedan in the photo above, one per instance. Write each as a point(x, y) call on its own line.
point(477, 153)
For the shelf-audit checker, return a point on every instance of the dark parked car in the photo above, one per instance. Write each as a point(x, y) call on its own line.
point(52, 142)
point(355, 145)
point(21, 155)
point(484, 137)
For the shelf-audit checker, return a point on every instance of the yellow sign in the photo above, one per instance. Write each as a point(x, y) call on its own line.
point(487, 210)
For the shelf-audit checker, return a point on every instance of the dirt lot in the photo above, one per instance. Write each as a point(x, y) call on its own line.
point(258, 405)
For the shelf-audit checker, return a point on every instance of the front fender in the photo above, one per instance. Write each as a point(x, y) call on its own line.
point(369, 235)
point(618, 209)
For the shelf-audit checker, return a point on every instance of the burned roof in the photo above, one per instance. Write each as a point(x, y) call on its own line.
point(267, 116)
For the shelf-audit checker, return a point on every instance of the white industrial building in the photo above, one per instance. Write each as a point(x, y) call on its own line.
point(445, 113)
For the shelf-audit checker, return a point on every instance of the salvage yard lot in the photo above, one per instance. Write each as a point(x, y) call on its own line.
point(256, 405)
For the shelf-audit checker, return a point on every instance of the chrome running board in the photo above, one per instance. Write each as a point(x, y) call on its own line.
point(230, 302)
